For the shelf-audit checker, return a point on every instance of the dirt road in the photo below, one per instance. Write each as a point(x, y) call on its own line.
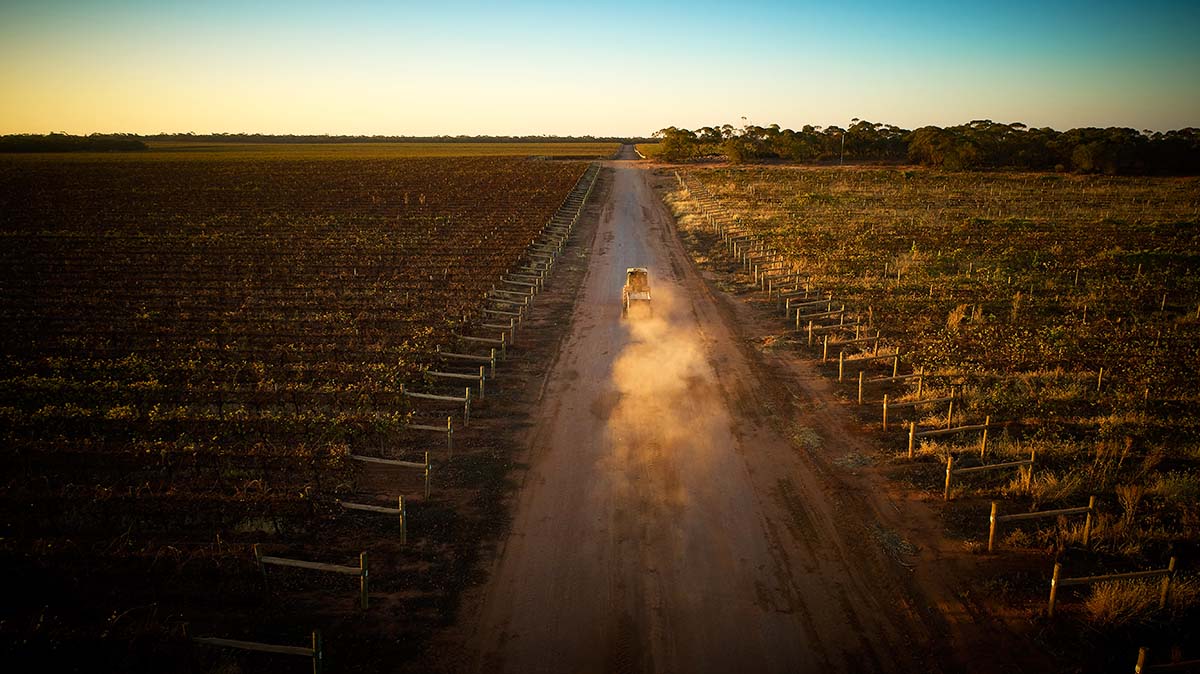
point(668, 522)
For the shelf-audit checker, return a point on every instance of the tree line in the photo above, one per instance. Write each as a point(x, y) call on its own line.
point(61, 142)
point(980, 144)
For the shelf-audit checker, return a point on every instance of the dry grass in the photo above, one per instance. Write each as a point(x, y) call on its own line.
point(956, 317)
point(1177, 486)
point(1122, 603)
point(1125, 603)
point(1016, 290)
point(649, 150)
point(1130, 497)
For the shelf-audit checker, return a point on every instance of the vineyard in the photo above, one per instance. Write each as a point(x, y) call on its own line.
point(195, 351)
point(174, 150)
point(1032, 336)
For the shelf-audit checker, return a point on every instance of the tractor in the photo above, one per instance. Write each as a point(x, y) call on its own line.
point(636, 290)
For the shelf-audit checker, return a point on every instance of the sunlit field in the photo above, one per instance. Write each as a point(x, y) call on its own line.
point(1063, 309)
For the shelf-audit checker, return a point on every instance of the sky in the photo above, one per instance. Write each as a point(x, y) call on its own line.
point(596, 68)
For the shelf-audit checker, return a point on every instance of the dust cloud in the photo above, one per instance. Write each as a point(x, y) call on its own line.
point(668, 416)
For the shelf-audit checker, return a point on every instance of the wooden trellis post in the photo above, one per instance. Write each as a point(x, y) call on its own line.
point(361, 571)
point(398, 510)
point(315, 652)
point(996, 518)
point(1056, 581)
point(951, 471)
point(362, 579)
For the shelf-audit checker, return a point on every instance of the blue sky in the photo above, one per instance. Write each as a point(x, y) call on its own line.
point(620, 68)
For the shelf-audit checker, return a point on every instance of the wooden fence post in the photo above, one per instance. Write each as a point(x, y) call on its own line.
point(1057, 580)
point(467, 408)
point(987, 420)
point(825, 349)
point(949, 472)
point(841, 364)
point(1087, 522)
point(1141, 661)
point(363, 578)
point(426, 475)
point(912, 436)
point(481, 378)
point(920, 382)
point(403, 521)
point(450, 437)
point(896, 366)
point(860, 386)
point(1100, 380)
point(318, 651)
point(261, 569)
point(992, 527)
point(809, 330)
point(1053, 590)
point(1166, 584)
point(885, 402)
point(950, 410)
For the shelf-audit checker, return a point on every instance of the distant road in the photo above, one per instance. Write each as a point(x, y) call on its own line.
point(627, 152)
